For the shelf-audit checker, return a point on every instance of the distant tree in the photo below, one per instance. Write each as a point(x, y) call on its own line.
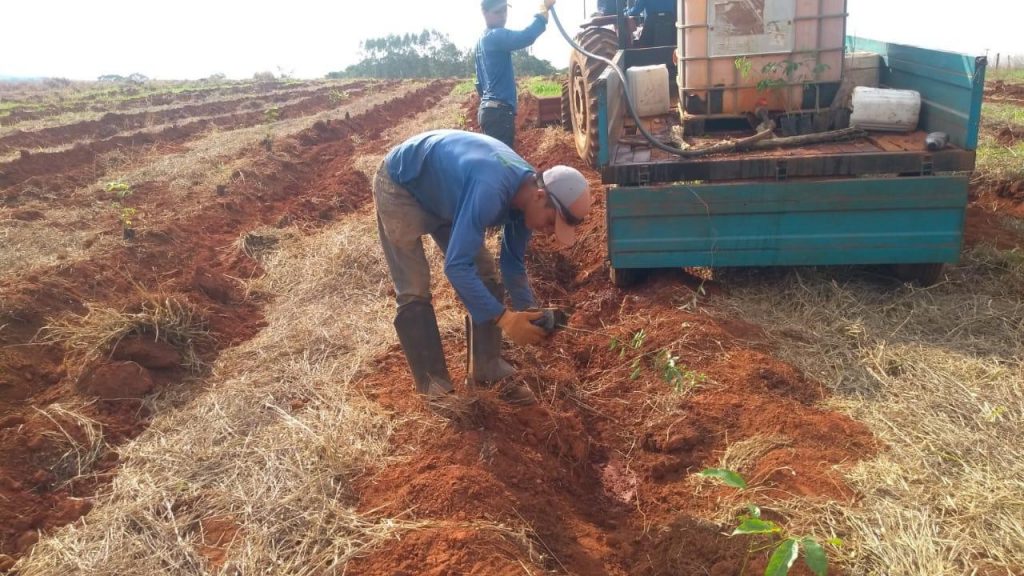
point(527, 64)
point(136, 78)
point(111, 78)
point(429, 54)
point(264, 77)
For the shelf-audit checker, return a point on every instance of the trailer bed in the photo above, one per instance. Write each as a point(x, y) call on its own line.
point(635, 161)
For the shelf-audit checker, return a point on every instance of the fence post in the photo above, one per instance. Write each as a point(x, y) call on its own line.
point(997, 60)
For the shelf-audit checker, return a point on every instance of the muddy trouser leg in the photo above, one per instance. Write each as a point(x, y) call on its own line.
point(485, 362)
point(499, 123)
point(401, 223)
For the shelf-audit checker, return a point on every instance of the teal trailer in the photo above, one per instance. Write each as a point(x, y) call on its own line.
point(884, 199)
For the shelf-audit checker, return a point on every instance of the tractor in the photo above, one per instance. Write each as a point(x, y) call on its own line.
point(608, 31)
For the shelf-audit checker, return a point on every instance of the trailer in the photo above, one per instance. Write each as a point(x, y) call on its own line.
point(883, 198)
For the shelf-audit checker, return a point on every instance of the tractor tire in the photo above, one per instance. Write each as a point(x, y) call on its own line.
point(925, 275)
point(566, 106)
point(583, 75)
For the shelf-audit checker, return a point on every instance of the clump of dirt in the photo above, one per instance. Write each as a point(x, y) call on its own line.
point(999, 90)
point(116, 380)
point(443, 550)
point(690, 545)
point(147, 352)
point(984, 226)
point(1009, 135)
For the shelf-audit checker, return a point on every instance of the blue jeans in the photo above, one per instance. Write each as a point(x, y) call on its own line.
point(499, 123)
point(402, 222)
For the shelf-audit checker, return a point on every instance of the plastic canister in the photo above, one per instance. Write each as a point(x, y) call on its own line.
point(649, 89)
point(884, 109)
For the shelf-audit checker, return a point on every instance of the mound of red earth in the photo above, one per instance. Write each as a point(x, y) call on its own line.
point(53, 408)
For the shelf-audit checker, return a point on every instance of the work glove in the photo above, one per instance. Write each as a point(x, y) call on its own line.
point(544, 7)
point(519, 328)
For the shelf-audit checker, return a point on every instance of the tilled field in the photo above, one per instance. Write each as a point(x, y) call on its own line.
point(645, 388)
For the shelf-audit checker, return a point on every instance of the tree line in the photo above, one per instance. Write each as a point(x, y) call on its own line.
point(429, 54)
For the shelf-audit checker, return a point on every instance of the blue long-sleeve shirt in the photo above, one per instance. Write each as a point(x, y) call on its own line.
point(469, 179)
point(652, 7)
point(495, 79)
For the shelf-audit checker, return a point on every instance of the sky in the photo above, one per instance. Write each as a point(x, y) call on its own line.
point(190, 39)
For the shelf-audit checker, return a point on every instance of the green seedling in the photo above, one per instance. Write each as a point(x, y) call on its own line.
point(787, 547)
point(126, 214)
point(679, 377)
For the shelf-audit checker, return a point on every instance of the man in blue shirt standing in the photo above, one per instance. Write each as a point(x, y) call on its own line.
point(453, 185)
point(495, 79)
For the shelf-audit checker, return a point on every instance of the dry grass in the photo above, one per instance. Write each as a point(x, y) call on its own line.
point(275, 443)
point(938, 375)
point(79, 437)
point(89, 337)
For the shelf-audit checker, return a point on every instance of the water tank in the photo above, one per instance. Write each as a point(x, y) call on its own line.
point(738, 55)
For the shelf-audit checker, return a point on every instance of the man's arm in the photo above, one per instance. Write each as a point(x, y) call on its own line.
point(504, 39)
point(514, 240)
point(466, 240)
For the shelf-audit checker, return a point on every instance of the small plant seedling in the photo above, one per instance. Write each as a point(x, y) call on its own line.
point(679, 377)
point(788, 547)
point(125, 214)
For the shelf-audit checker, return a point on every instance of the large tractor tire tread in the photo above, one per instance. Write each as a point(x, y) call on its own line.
point(584, 73)
point(566, 106)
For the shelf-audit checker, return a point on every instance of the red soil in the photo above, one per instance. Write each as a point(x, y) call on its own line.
point(308, 179)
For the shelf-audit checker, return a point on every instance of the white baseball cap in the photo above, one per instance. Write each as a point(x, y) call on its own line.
point(569, 192)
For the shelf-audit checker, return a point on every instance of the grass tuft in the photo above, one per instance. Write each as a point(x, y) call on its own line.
point(89, 337)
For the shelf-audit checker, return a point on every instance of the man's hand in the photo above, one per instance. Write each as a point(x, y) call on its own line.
point(518, 326)
point(544, 7)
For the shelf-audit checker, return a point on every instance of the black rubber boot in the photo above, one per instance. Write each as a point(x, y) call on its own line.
point(485, 354)
point(486, 365)
point(417, 330)
point(485, 362)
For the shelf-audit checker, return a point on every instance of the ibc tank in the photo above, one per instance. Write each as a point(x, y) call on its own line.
point(714, 36)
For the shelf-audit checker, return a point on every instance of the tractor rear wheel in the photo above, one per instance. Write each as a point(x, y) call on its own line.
point(583, 75)
point(566, 106)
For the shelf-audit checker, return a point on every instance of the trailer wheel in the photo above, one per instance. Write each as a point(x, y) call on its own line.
point(583, 75)
point(924, 274)
point(626, 277)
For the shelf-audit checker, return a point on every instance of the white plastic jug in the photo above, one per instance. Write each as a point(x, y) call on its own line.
point(887, 110)
point(648, 88)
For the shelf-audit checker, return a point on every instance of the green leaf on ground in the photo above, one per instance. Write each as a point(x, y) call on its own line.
point(783, 558)
point(729, 477)
point(814, 556)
